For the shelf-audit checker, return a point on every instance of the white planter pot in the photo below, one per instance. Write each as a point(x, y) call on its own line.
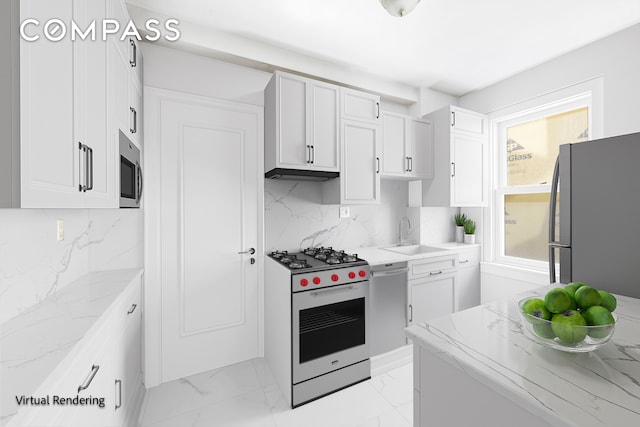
point(470, 238)
point(459, 234)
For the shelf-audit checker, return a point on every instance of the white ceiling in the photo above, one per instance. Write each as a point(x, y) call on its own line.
point(454, 46)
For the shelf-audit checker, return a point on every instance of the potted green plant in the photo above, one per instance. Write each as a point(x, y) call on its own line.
point(459, 218)
point(469, 231)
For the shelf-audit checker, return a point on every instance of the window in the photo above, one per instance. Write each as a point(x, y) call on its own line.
point(527, 150)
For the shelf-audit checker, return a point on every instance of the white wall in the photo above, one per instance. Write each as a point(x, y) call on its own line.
point(33, 264)
point(615, 58)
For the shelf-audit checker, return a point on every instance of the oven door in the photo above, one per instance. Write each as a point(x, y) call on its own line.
point(330, 329)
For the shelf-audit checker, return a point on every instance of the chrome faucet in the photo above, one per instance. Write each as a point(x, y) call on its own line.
point(404, 241)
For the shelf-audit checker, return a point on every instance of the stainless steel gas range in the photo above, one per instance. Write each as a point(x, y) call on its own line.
point(316, 322)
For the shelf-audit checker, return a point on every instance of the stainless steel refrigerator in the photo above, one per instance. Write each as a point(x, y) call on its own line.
point(598, 236)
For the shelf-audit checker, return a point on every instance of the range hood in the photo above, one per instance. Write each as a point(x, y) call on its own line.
point(301, 175)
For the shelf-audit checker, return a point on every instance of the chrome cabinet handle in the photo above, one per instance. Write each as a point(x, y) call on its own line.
point(89, 379)
point(90, 163)
point(313, 154)
point(377, 164)
point(119, 385)
point(251, 251)
point(453, 119)
point(378, 113)
point(134, 54)
point(133, 308)
point(84, 185)
point(435, 273)
point(410, 313)
point(134, 120)
point(308, 154)
point(453, 169)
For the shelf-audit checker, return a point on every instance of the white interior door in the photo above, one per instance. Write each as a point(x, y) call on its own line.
point(209, 208)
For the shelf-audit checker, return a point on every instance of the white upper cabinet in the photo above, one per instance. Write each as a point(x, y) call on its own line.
point(460, 174)
point(360, 178)
point(65, 157)
point(301, 124)
point(407, 147)
point(361, 106)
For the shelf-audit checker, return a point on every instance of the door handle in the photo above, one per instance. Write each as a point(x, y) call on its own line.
point(453, 169)
point(133, 308)
point(313, 154)
point(251, 251)
point(84, 184)
point(410, 313)
point(410, 164)
point(331, 290)
point(453, 119)
point(87, 381)
point(435, 273)
point(407, 166)
point(377, 164)
point(378, 113)
point(140, 183)
point(308, 154)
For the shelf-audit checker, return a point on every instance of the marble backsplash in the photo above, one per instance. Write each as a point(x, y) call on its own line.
point(33, 264)
point(295, 217)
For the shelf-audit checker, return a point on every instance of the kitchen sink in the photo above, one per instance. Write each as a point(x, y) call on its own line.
point(413, 249)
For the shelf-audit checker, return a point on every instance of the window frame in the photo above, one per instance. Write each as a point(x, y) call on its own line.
point(501, 189)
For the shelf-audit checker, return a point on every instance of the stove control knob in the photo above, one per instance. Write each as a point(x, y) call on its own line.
point(335, 277)
point(362, 273)
point(352, 275)
point(316, 280)
point(304, 282)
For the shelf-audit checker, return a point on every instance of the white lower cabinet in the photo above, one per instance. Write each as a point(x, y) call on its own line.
point(432, 288)
point(105, 369)
point(468, 277)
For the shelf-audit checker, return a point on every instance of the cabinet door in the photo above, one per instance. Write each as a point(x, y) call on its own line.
point(468, 278)
point(324, 126)
point(431, 298)
point(467, 122)
point(394, 161)
point(293, 149)
point(421, 143)
point(50, 158)
point(358, 105)
point(468, 174)
point(91, 105)
point(360, 176)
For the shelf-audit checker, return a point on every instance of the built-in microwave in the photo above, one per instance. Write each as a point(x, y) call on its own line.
point(131, 182)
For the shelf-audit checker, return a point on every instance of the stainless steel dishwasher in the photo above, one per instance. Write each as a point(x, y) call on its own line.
point(388, 307)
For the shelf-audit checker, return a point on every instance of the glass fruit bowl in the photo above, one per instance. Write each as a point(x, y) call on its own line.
point(565, 337)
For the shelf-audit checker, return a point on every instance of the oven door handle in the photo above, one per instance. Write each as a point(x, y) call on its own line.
point(330, 290)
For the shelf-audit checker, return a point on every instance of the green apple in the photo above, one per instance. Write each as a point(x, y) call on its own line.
point(598, 316)
point(587, 297)
point(559, 300)
point(537, 308)
point(573, 287)
point(544, 330)
point(569, 326)
point(608, 301)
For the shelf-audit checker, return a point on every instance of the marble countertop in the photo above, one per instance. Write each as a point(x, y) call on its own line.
point(376, 255)
point(33, 343)
point(487, 342)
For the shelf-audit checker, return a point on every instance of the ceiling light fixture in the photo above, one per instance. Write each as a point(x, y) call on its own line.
point(399, 7)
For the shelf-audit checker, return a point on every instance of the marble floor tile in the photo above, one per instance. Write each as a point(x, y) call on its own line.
point(198, 391)
point(246, 394)
point(246, 410)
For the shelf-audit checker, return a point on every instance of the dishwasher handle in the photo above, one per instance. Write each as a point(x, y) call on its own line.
point(388, 273)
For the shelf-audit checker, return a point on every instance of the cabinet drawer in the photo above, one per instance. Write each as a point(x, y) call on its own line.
point(432, 266)
point(468, 257)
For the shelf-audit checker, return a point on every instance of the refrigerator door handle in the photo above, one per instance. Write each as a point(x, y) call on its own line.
point(553, 205)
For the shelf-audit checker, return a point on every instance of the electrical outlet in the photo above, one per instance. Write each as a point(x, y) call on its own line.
point(345, 212)
point(60, 230)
